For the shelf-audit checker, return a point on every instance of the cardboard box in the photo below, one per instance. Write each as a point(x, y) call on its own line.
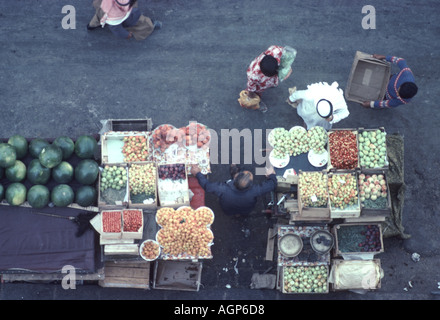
point(108, 235)
point(113, 142)
point(284, 289)
point(352, 211)
point(368, 78)
point(119, 202)
point(355, 275)
point(177, 275)
point(312, 213)
point(376, 169)
point(183, 201)
point(126, 274)
point(142, 205)
point(338, 231)
point(378, 212)
point(133, 234)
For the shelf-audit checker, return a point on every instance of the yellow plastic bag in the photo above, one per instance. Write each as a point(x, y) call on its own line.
point(249, 100)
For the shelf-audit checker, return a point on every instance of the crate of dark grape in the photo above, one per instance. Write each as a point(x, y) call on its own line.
point(132, 224)
point(358, 239)
point(343, 149)
point(111, 224)
point(172, 184)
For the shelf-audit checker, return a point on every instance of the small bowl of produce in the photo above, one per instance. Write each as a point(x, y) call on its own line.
point(149, 250)
point(321, 241)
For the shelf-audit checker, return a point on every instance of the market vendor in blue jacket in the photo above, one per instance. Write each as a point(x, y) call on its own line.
point(239, 195)
point(401, 86)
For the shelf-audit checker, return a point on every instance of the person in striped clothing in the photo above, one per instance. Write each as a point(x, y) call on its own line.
point(401, 86)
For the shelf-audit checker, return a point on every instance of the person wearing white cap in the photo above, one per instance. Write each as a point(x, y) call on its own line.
point(320, 105)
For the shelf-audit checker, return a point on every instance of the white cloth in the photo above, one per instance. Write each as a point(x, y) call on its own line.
point(118, 21)
point(309, 98)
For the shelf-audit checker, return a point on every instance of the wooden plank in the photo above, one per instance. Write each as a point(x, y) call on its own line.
point(270, 244)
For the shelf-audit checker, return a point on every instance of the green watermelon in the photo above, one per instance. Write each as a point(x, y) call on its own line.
point(16, 194)
point(2, 192)
point(85, 196)
point(36, 145)
point(86, 172)
point(85, 147)
point(63, 173)
point(38, 196)
point(20, 144)
point(8, 155)
point(17, 172)
point(51, 156)
point(37, 173)
point(66, 145)
point(62, 195)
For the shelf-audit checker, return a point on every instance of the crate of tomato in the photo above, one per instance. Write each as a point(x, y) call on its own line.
point(343, 149)
point(132, 223)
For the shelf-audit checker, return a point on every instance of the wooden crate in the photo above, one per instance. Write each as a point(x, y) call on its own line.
point(353, 211)
point(112, 143)
point(336, 248)
point(377, 169)
point(123, 274)
point(364, 281)
point(185, 200)
point(283, 288)
point(151, 206)
point(117, 204)
point(177, 275)
point(330, 166)
point(385, 212)
point(133, 234)
point(129, 124)
point(311, 213)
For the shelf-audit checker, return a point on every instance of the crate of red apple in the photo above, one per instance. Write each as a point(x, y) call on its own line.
point(123, 147)
point(343, 150)
point(344, 195)
point(135, 148)
point(185, 233)
point(355, 239)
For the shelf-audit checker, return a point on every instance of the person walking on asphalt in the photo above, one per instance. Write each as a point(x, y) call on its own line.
point(320, 105)
point(401, 86)
point(269, 69)
point(123, 18)
point(237, 196)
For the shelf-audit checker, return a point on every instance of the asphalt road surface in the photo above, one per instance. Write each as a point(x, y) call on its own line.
point(57, 81)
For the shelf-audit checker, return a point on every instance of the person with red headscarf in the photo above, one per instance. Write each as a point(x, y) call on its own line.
point(123, 18)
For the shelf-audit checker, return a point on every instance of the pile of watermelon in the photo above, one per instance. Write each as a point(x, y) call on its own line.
point(41, 172)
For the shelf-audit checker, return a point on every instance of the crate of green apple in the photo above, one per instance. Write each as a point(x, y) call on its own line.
point(142, 183)
point(374, 194)
point(305, 279)
point(373, 149)
point(343, 195)
point(357, 238)
point(112, 191)
point(172, 185)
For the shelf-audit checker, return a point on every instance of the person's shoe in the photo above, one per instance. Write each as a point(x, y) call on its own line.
point(91, 28)
point(157, 25)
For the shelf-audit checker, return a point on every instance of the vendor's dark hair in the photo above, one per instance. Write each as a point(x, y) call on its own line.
point(243, 180)
point(408, 90)
point(269, 66)
point(130, 3)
